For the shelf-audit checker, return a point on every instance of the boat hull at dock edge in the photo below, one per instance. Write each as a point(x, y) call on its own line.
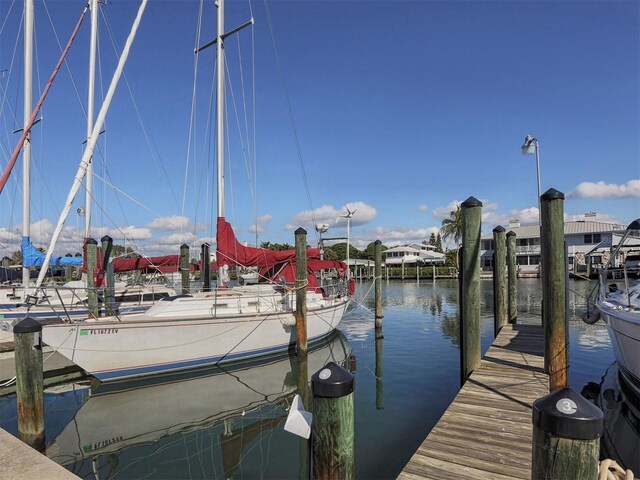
point(624, 332)
point(127, 346)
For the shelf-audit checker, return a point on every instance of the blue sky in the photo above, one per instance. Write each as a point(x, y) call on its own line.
point(397, 109)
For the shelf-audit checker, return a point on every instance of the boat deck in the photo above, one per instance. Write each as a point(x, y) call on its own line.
point(486, 431)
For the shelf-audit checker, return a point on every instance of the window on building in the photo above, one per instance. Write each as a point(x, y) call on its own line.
point(522, 260)
point(534, 260)
point(596, 260)
point(592, 238)
point(487, 245)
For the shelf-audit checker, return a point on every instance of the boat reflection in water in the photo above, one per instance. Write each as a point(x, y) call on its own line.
point(204, 426)
point(620, 439)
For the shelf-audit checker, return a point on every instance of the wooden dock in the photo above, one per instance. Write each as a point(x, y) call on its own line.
point(486, 431)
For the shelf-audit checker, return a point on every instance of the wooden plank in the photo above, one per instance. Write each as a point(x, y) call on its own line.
point(486, 431)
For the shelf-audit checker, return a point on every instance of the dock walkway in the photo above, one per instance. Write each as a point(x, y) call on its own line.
point(486, 432)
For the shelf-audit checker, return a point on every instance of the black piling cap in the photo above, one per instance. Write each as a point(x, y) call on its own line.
point(92, 241)
point(378, 242)
point(28, 325)
point(511, 233)
point(471, 202)
point(300, 231)
point(499, 229)
point(567, 414)
point(332, 381)
point(552, 194)
point(106, 238)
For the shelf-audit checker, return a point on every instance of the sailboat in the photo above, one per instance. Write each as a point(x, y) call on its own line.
point(228, 324)
point(69, 300)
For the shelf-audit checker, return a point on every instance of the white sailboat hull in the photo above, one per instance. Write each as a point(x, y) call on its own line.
point(154, 342)
point(624, 331)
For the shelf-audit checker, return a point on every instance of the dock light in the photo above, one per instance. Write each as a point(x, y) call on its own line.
point(529, 147)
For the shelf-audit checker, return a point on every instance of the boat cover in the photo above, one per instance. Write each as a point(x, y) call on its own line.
point(32, 257)
point(231, 252)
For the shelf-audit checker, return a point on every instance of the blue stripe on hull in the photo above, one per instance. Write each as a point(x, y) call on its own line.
point(201, 362)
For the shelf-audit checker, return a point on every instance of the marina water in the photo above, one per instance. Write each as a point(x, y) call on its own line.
point(222, 423)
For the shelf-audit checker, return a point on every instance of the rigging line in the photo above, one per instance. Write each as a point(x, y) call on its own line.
point(26, 130)
point(73, 83)
point(153, 149)
point(133, 199)
point(192, 116)
point(6, 90)
point(242, 144)
point(244, 107)
point(6, 19)
point(290, 109)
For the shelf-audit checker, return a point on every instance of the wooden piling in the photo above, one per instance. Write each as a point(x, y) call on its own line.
point(470, 287)
point(206, 268)
point(29, 382)
point(333, 426)
point(566, 437)
point(554, 289)
point(500, 317)
point(512, 276)
point(184, 268)
point(377, 252)
point(92, 272)
point(301, 291)
point(379, 384)
point(109, 274)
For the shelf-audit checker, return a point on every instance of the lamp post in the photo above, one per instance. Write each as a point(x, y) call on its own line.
point(530, 146)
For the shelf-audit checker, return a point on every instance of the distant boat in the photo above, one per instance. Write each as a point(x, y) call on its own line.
point(618, 302)
point(224, 325)
point(119, 416)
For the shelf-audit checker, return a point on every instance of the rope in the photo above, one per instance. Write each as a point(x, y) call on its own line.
point(610, 470)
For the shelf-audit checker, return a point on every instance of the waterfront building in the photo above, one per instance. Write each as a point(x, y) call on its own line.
point(588, 245)
point(416, 253)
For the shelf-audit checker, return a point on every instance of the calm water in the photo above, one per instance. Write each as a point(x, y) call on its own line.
point(230, 423)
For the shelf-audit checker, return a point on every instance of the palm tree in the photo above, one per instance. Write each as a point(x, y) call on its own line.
point(452, 228)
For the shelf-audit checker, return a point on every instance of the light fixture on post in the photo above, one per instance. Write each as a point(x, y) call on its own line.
point(529, 147)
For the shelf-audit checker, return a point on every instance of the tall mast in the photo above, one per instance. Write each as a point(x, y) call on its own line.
point(93, 5)
point(26, 153)
point(220, 108)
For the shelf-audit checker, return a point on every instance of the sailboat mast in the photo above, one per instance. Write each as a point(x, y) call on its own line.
point(220, 108)
point(26, 153)
point(93, 5)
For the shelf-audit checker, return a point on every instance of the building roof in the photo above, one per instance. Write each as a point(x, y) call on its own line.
point(579, 227)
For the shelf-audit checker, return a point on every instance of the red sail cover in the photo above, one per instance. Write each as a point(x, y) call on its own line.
point(231, 252)
point(165, 264)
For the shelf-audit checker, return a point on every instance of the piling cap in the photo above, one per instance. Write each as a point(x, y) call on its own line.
point(511, 233)
point(567, 414)
point(300, 231)
point(499, 229)
point(552, 194)
point(332, 381)
point(471, 202)
point(28, 325)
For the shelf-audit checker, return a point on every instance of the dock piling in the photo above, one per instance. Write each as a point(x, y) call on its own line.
point(206, 268)
point(499, 280)
point(29, 382)
point(333, 427)
point(184, 268)
point(109, 275)
point(301, 291)
point(92, 273)
point(566, 437)
point(377, 252)
point(512, 275)
point(470, 286)
point(554, 289)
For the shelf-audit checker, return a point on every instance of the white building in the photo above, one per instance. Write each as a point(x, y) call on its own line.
point(588, 245)
point(416, 253)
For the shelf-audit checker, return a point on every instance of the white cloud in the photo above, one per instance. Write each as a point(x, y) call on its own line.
point(174, 222)
point(332, 216)
point(443, 212)
point(631, 189)
point(262, 222)
point(423, 208)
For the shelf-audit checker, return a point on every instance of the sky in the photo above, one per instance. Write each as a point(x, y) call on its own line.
point(396, 110)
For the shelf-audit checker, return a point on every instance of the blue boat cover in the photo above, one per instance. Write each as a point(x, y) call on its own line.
point(32, 257)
